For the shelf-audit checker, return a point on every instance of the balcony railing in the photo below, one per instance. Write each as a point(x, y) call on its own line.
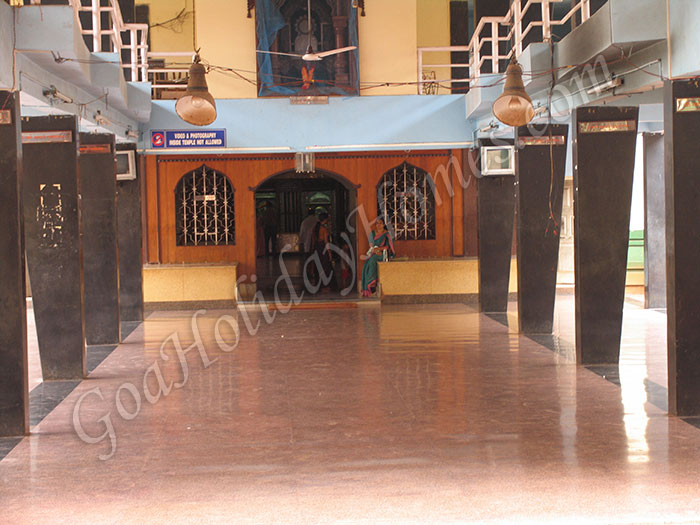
point(104, 30)
point(130, 41)
point(496, 40)
point(169, 78)
point(112, 34)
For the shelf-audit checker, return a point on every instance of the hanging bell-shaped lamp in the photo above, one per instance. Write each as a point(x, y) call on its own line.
point(196, 106)
point(514, 106)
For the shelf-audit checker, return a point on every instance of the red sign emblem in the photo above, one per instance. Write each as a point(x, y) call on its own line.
point(158, 139)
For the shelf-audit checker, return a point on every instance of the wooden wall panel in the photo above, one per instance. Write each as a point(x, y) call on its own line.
point(361, 170)
point(151, 202)
point(244, 173)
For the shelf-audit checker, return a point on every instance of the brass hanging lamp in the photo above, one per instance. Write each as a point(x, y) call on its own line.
point(197, 106)
point(514, 106)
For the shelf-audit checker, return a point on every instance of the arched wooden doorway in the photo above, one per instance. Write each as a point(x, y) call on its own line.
point(282, 202)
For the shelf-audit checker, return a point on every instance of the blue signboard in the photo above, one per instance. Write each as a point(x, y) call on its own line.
point(183, 138)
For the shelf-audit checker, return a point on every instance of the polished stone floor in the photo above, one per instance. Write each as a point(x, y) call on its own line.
point(283, 277)
point(394, 414)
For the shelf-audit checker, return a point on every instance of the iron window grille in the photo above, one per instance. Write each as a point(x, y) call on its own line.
point(204, 209)
point(406, 202)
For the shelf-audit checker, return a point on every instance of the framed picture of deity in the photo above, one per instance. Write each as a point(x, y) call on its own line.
point(307, 47)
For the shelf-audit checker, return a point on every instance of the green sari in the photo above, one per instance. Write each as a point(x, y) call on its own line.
point(370, 270)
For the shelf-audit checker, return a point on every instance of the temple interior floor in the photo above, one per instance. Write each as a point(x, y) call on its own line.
point(282, 277)
point(394, 413)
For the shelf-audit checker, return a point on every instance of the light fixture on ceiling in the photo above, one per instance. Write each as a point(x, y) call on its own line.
point(540, 110)
point(514, 106)
point(608, 85)
point(196, 106)
point(101, 120)
point(491, 125)
point(52, 93)
point(131, 133)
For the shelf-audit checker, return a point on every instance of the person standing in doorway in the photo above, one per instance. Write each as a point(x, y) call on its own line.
point(322, 239)
point(270, 227)
point(259, 234)
point(306, 232)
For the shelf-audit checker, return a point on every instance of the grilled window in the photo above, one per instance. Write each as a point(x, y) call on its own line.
point(204, 209)
point(406, 201)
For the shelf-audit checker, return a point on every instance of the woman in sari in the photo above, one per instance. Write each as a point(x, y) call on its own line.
point(379, 242)
point(322, 239)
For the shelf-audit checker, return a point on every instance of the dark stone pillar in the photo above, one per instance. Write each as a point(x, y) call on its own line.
point(654, 222)
point(496, 212)
point(14, 394)
point(603, 156)
point(484, 8)
point(98, 189)
point(487, 8)
point(541, 164)
point(681, 132)
point(533, 15)
point(128, 10)
point(596, 4)
point(53, 244)
point(459, 36)
point(129, 232)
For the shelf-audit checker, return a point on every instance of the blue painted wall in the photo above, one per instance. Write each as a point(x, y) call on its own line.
point(344, 124)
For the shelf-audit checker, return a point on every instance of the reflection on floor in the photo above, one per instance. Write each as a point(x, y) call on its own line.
point(282, 277)
point(643, 349)
point(34, 363)
point(45, 396)
point(422, 413)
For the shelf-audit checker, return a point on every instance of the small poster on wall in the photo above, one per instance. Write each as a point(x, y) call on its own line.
point(183, 139)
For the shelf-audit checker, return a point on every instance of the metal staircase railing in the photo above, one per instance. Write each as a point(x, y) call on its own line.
point(111, 35)
point(129, 41)
point(168, 79)
point(488, 48)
